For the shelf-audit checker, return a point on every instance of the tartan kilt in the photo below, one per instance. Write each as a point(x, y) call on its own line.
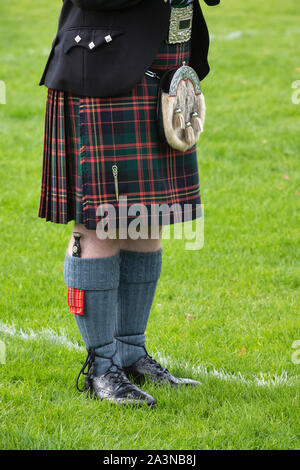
point(86, 136)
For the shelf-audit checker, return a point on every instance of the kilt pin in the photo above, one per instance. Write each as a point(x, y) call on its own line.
point(85, 137)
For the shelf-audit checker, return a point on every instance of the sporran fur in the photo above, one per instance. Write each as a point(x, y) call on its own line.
point(181, 108)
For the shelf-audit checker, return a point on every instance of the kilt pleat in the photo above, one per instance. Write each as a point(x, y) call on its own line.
point(86, 136)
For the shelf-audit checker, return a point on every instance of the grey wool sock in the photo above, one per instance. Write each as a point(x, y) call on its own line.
point(99, 279)
point(139, 274)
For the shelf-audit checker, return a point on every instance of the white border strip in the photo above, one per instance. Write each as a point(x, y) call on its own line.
point(261, 380)
point(46, 334)
point(52, 337)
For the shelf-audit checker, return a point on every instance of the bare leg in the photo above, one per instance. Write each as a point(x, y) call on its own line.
point(141, 245)
point(91, 246)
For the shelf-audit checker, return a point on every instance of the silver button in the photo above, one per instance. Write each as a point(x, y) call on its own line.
point(78, 39)
point(108, 38)
point(91, 45)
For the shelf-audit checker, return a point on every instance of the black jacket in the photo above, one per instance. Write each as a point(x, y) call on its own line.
point(103, 47)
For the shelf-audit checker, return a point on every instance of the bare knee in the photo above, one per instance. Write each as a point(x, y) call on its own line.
point(152, 243)
point(91, 245)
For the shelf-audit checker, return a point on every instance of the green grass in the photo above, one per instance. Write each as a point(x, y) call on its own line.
point(243, 287)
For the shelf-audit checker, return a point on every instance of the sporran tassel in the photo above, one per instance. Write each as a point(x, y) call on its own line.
point(196, 123)
point(178, 119)
point(189, 134)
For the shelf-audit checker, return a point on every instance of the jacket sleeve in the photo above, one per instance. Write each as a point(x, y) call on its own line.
point(105, 4)
point(212, 2)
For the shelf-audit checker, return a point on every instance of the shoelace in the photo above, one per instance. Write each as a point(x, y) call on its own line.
point(91, 365)
point(118, 375)
point(163, 370)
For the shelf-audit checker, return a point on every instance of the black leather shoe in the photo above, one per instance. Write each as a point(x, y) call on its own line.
point(148, 367)
point(113, 385)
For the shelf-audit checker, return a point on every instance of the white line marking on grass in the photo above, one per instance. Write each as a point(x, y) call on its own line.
point(51, 336)
point(46, 333)
point(232, 35)
point(261, 380)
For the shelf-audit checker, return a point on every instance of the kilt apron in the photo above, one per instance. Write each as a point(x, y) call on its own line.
point(88, 140)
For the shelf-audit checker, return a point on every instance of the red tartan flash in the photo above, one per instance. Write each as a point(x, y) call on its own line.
point(76, 301)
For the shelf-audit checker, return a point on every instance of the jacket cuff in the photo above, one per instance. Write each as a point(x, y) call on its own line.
point(212, 2)
point(105, 4)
